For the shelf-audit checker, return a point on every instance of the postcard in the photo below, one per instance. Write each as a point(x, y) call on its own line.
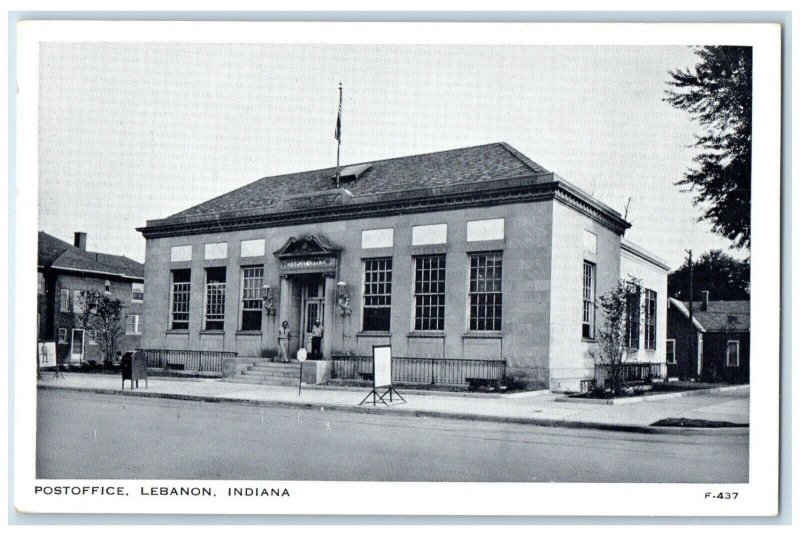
point(397, 268)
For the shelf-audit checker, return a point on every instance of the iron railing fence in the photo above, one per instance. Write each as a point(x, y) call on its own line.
point(672, 370)
point(631, 373)
point(424, 371)
point(193, 360)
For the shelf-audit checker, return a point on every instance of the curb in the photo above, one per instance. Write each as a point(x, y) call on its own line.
point(399, 411)
point(649, 398)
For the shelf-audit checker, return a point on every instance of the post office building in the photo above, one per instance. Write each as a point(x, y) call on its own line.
point(469, 256)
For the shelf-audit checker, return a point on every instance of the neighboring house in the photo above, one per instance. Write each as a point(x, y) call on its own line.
point(468, 254)
point(715, 347)
point(64, 272)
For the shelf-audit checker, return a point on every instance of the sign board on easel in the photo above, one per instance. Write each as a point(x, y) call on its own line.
point(382, 377)
point(47, 354)
point(46, 358)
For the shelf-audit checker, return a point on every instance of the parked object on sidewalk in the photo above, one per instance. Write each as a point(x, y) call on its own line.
point(382, 376)
point(134, 368)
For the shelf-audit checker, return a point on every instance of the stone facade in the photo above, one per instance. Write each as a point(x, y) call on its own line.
point(538, 225)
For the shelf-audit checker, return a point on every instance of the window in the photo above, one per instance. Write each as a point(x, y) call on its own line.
point(64, 300)
point(77, 303)
point(132, 324)
point(377, 294)
point(137, 292)
point(429, 272)
point(252, 277)
point(632, 324)
point(181, 291)
point(671, 351)
point(62, 336)
point(215, 299)
point(40, 282)
point(486, 292)
point(732, 354)
point(107, 287)
point(650, 319)
point(587, 327)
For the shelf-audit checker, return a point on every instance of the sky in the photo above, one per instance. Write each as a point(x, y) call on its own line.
point(136, 131)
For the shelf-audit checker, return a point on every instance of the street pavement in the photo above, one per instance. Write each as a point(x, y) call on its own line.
point(542, 408)
point(83, 434)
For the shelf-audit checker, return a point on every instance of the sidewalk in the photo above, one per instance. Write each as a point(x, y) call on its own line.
point(537, 409)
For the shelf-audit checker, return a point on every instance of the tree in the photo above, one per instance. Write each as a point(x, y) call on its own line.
point(619, 307)
point(103, 316)
point(717, 94)
point(723, 276)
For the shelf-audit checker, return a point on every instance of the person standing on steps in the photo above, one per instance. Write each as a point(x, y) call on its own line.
point(284, 336)
point(316, 340)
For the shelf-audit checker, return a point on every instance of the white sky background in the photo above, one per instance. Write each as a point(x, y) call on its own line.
point(130, 132)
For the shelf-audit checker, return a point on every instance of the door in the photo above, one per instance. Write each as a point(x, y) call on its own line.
point(77, 345)
point(313, 310)
point(313, 313)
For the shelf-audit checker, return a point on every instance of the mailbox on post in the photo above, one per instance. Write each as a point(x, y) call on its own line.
point(134, 368)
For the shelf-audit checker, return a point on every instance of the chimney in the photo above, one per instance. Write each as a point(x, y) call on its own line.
point(80, 241)
point(704, 306)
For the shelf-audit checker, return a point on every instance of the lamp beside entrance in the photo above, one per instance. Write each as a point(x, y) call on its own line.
point(268, 300)
point(344, 299)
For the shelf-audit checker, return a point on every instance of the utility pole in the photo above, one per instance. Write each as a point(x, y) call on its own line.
point(691, 312)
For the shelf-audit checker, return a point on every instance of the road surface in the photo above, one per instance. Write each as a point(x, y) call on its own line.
point(85, 435)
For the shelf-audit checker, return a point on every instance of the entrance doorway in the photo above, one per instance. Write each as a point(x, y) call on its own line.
point(77, 345)
point(312, 307)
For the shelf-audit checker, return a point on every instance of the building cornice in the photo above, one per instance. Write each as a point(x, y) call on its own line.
point(639, 252)
point(525, 189)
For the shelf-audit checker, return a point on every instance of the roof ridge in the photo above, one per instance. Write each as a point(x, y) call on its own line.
point(333, 168)
point(56, 238)
point(535, 166)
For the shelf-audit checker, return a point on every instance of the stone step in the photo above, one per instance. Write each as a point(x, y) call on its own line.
point(271, 374)
point(268, 365)
point(251, 380)
point(273, 370)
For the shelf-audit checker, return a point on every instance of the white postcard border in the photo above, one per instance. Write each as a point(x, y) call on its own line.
point(758, 497)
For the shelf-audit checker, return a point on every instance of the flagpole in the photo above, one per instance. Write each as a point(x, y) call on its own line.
point(338, 135)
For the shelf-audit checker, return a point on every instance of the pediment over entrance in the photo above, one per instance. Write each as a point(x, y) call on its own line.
point(310, 245)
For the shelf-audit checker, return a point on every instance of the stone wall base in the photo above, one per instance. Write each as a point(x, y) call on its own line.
point(317, 372)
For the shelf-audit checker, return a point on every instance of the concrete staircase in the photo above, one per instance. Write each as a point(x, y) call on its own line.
point(268, 373)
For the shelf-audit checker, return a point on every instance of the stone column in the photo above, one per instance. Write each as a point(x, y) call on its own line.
point(285, 298)
point(330, 313)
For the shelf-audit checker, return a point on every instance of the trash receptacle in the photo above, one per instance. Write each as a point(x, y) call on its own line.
point(134, 368)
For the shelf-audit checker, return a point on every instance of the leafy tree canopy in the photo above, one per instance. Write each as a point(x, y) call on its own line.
point(619, 307)
point(723, 276)
point(717, 93)
point(104, 316)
